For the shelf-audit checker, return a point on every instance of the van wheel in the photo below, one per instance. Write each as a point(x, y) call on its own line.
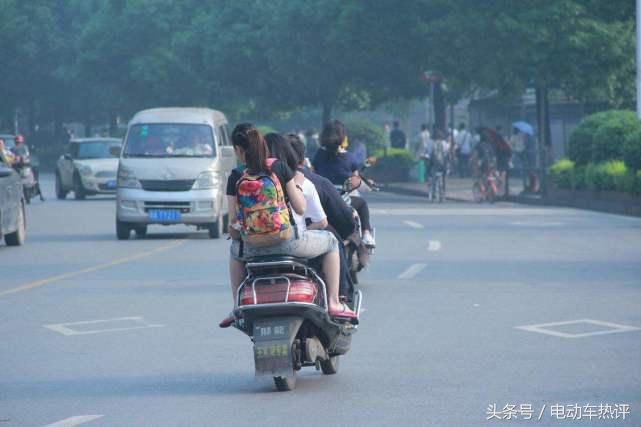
point(78, 189)
point(122, 230)
point(225, 222)
point(61, 194)
point(18, 237)
point(216, 228)
point(141, 231)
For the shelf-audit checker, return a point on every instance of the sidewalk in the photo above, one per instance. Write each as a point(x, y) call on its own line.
point(457, 189)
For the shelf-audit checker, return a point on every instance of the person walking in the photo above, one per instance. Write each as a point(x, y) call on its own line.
point(397, 137)
point(518, 145)
point(464, 145)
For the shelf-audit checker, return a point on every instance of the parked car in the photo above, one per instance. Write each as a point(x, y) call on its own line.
point(88, 167)
point(173, 170)
point(12, 211)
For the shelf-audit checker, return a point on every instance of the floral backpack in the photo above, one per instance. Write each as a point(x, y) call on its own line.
point(262, 210)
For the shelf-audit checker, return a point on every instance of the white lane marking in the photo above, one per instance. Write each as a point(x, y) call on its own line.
point(44, 282)
point(521, 212)
point(412, 271)
point(413, 224)
point(74, 421)
point(542, 328)
point(476, 305)
point(67, 328)
point(536, 224)
point(434, 246)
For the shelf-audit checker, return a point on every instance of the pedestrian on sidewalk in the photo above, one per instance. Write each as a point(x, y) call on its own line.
point(397, 137)
point(464, 146)
point(518, 145)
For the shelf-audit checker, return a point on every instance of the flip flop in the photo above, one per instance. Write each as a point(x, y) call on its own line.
point(346, 312)
point(230, 319)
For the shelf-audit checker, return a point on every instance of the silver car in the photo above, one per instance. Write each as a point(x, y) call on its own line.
point(173, 170)
point(88, 167)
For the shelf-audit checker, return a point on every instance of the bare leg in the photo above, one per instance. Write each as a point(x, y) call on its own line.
point(331, 269)
point(236, 274)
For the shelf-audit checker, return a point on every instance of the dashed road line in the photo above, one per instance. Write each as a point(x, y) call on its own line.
point(412, 271)
point(125, 260)
point(413, 224)
point(74, 421)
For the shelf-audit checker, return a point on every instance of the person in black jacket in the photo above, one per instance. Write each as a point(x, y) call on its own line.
point(339, 214)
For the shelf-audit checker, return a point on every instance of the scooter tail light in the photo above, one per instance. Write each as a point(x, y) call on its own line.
point(271, 293)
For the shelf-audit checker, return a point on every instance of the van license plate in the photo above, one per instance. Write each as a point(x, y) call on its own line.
point(164, 215)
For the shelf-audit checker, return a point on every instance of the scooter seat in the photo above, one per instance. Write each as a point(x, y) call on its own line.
point(276, 258)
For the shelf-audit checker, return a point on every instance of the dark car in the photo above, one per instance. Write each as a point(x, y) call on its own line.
point(12, 212)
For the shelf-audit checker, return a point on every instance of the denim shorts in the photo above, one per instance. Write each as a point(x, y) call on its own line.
point(309, 244)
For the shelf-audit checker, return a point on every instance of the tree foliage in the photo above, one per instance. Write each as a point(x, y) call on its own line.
point(91, 60)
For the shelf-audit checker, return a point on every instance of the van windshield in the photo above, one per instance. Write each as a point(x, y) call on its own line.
point(169, 140)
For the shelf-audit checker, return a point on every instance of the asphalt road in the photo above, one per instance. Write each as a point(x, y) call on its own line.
point(112, 333)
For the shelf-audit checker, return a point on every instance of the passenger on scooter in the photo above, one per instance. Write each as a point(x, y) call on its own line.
point(20, 150)
point(251, 149)
point(335, 163)
point(339, 214)
point(281, 149)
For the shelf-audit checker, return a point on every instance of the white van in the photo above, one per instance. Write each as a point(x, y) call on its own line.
point(173, 169)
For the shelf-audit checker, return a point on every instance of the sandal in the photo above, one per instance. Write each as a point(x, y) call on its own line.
point(346, 312)
point(230, 319)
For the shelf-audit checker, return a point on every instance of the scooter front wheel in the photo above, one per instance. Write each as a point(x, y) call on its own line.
point(285, 383)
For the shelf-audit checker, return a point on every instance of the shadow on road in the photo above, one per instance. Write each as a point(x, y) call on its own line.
point(202, 383)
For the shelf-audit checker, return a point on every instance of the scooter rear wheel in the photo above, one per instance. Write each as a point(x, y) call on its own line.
point(330, 366)
point(285, 383)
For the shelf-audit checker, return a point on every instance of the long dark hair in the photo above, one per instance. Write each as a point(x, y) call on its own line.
point(281, 149)
point(298, 146)
point(333, 135)
point(246, 135)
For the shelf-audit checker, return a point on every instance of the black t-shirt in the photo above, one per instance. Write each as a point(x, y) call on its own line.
point(280, 169)
point(339, 215)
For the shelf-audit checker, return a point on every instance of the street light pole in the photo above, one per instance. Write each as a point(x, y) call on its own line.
point(639, 59)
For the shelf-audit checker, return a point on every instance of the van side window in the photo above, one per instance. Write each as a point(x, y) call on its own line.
point(220, 134)
point(226, 134)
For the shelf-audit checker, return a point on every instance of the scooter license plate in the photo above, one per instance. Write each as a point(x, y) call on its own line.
point(272, 348)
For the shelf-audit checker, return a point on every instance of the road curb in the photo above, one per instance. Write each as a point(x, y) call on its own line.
point(417, 193)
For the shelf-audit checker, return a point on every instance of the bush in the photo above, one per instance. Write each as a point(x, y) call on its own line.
point(611, 135)
point(561, 173)
point(578, 181)
point(600, 137)
point(632, 150)
point(608, 176)
point(580, 143)
point(368, 133)
point(395, 167)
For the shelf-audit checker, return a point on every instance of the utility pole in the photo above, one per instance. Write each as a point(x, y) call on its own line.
point(639, 59)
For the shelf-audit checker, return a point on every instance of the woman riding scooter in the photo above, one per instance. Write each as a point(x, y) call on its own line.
point(251, 150)
point(335, 163)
